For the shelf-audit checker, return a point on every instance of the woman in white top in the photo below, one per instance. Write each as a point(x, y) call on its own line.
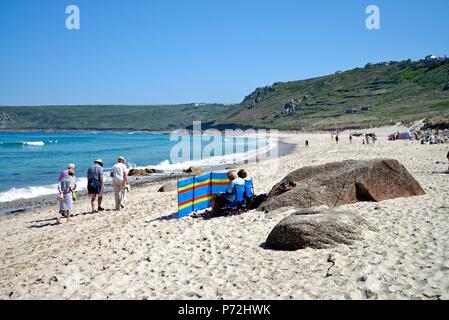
point(119, 175)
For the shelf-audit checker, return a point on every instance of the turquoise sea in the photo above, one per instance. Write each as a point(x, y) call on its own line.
point(30, 162)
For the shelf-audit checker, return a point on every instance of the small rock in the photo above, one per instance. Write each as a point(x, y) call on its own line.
point(53, 279)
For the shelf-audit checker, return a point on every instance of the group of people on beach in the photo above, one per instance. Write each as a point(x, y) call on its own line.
point(227, 198)
point(95, 187)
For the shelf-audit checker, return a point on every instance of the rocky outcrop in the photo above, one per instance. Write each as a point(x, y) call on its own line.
point(340, 183)
point(317, 229)
point(290, 107)
point(6, 120)
point(152, 171)
point(193, 171)
point(257, 96)
point(143, 172)
point(169, 186)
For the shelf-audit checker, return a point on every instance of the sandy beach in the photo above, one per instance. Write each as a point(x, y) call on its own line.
point(145, 252)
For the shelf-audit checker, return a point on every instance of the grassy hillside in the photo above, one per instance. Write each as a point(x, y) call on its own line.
point(108, 117)
point(392, 92)
point(383, 93)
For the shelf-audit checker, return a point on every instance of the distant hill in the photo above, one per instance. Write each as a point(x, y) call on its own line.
point(377, 94)
point(157, 118)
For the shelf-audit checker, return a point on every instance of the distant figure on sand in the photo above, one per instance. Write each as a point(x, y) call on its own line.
point(307, 143)
point(221, 200)
point(119, 176)
point(95, 184)
point(447, 161)
point(350, 139)
point(66, 187)
point(337, 139)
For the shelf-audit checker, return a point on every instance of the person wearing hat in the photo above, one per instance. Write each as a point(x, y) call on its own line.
point(95, 184)
point(119, 176)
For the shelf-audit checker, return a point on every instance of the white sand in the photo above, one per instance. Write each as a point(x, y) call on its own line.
point(134, 254)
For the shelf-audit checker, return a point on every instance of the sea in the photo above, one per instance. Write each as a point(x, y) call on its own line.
point(30, 162)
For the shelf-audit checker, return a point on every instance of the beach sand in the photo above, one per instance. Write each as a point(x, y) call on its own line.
point(144, 252)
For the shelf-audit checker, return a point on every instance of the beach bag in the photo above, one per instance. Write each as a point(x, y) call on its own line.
point(256, 201)
point(74, 195)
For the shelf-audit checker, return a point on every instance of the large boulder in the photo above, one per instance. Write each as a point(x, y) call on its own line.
point(169, 186)
point(340, 183)
point(317, 229)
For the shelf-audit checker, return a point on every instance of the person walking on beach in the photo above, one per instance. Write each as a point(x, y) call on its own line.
point(350, 139)
point(70, 169)
point(66, 187)
point(307, 143)
point(119, 175)
point(65, 173)
point(95, 184)
point(337, 139)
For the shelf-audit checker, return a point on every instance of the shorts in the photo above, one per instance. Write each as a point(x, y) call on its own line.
point(95, 187)
point(221, 201)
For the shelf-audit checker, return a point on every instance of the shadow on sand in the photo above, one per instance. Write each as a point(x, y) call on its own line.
point(171, 216)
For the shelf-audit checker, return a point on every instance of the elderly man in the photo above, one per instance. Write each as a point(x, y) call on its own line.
point(222, 199)
point(95, 184)
point(119, 175)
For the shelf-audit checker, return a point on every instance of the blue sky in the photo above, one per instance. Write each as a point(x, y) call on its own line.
point(167, 51)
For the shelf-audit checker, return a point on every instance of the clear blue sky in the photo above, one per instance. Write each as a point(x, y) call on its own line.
point(167, 51)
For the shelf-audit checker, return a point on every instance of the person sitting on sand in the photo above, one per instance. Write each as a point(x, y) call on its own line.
point(66, 187)
point(221, 200)
point(243, 175)
point(95, 184)
point(119, 175)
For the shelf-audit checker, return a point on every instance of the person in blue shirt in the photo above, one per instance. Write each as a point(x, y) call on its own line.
point(221, 200)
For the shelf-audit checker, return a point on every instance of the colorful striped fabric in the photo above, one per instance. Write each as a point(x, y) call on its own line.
point(219, 182)
point(202, 192)
point(196, 193)
point(185, 197)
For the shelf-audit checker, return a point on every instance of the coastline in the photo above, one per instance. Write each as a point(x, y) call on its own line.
point(138, 253)
point(30, 205)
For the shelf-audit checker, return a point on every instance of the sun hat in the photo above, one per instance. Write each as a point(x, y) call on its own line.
point(121, 158)
point(99, 161)
point(71, 165)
